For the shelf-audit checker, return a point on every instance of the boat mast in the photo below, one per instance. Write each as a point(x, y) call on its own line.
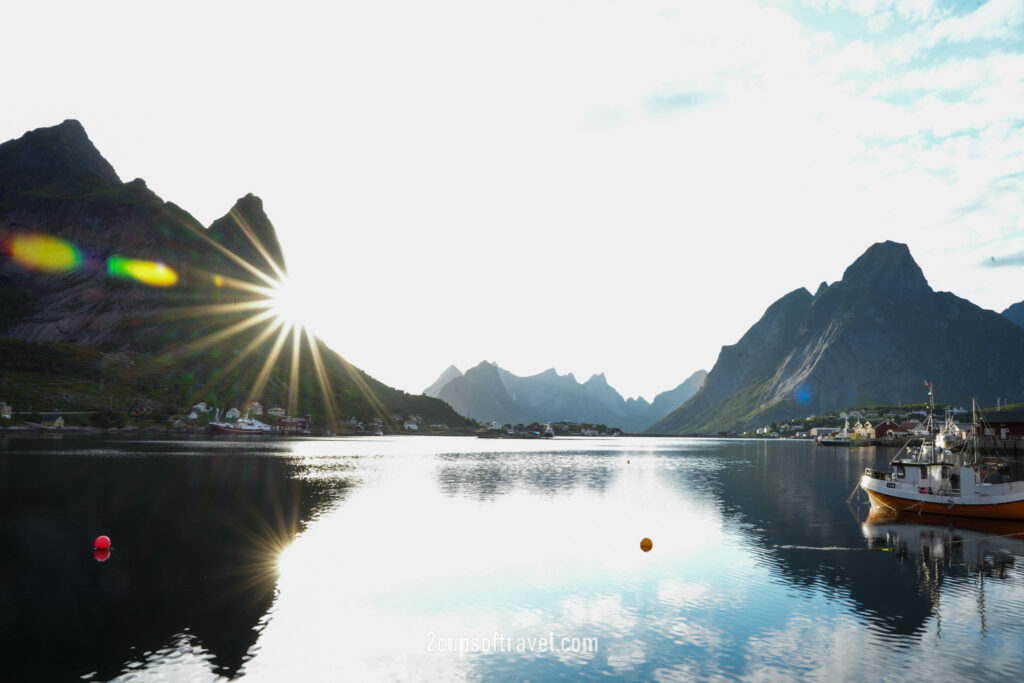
point(931, 408)
point(976, 428)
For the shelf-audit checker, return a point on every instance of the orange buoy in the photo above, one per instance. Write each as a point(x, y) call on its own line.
point(627, 462)
point(102, 543)
point(646, 545)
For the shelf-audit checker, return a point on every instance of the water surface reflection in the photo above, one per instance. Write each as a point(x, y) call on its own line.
point(393, 546)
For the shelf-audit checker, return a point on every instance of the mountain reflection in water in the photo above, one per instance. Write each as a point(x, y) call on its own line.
point(345, 559)
point(196, 532)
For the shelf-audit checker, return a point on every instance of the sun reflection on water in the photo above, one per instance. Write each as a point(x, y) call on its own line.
point(401, 560)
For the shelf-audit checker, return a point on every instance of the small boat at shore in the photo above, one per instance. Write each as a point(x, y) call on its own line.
point(939, 481)
point(843, 438)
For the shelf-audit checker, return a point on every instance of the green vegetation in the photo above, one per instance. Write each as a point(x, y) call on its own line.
point(65, 377)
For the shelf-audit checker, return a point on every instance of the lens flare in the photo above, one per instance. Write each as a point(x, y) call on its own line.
point(218, 281)
point(44, 253)
point(147, 272)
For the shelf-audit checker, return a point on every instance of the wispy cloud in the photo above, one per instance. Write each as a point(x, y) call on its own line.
point(1008, 261)
point(668, 102)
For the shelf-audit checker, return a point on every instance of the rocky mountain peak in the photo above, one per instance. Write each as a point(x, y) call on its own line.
point(886, 267)
point(247, 231)
point(60, 158)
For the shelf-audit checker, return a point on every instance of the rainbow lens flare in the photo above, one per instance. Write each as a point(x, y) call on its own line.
point(218, 280)
point(147, 272)
point(44, 253)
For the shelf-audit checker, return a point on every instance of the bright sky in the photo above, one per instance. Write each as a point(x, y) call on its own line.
point(618, 187)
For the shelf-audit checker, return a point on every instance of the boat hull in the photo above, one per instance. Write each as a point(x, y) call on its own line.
point(218, 429)
point(1004, 510)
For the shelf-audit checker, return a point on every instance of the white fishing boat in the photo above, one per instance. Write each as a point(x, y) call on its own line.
point(246, 426)
point(843, 438)
point(933, 480)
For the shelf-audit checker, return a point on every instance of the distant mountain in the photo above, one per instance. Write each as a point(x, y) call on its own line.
point(667, 401)
point(488, 392)
point(113, 296)
point(447, 376)
point(873, 337)
point(1016, 313)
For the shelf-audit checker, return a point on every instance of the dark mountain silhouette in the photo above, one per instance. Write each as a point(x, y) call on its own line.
point(1016, 313)
point(195, 339)
point(874, 337)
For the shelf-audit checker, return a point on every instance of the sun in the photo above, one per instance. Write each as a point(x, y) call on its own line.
point(295, 305)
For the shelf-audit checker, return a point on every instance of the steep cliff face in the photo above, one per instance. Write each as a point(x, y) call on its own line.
point(873, 337)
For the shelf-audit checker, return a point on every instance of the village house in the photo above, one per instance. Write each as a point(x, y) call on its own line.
point(887, 429)
point(864, 430)
point(53, 421)
point(254, 408)
point(5, 410)
point(201, 407)
point(232, 414)
point(1006, 424)
point(295, 425)
point(909, 426)
point(411, 426)
point(277, 411)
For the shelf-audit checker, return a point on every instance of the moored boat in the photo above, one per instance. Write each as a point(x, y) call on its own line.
point(245, 426)
point(933, 480)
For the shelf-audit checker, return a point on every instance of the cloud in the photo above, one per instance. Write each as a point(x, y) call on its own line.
point(668, 102)
point(1009, 261)
point(993, 20)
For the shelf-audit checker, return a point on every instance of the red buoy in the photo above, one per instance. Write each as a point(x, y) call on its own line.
point(102, 543)
point(101, 555)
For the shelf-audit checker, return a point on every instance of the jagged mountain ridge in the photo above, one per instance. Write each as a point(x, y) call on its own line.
point(873, 337)
point(488, 392)
point(54, 182)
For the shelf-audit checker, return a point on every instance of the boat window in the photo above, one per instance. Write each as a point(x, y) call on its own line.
point(900, 472)
point(924, 472)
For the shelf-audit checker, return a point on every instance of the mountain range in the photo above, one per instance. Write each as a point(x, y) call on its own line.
point(872, 338)
point(488, 392)
point(114, 297)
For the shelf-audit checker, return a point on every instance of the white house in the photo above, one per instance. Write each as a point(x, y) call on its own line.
point(193, 415)
point(5, 410)
point(277, 411)
point(254, 408)
point(232, 414)
point(411, 426)
point(201, 407)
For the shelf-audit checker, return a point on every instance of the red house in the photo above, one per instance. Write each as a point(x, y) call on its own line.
point(1006, 424)
point(883, 428)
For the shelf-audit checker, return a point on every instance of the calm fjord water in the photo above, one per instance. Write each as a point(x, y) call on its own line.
point(418, 558)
